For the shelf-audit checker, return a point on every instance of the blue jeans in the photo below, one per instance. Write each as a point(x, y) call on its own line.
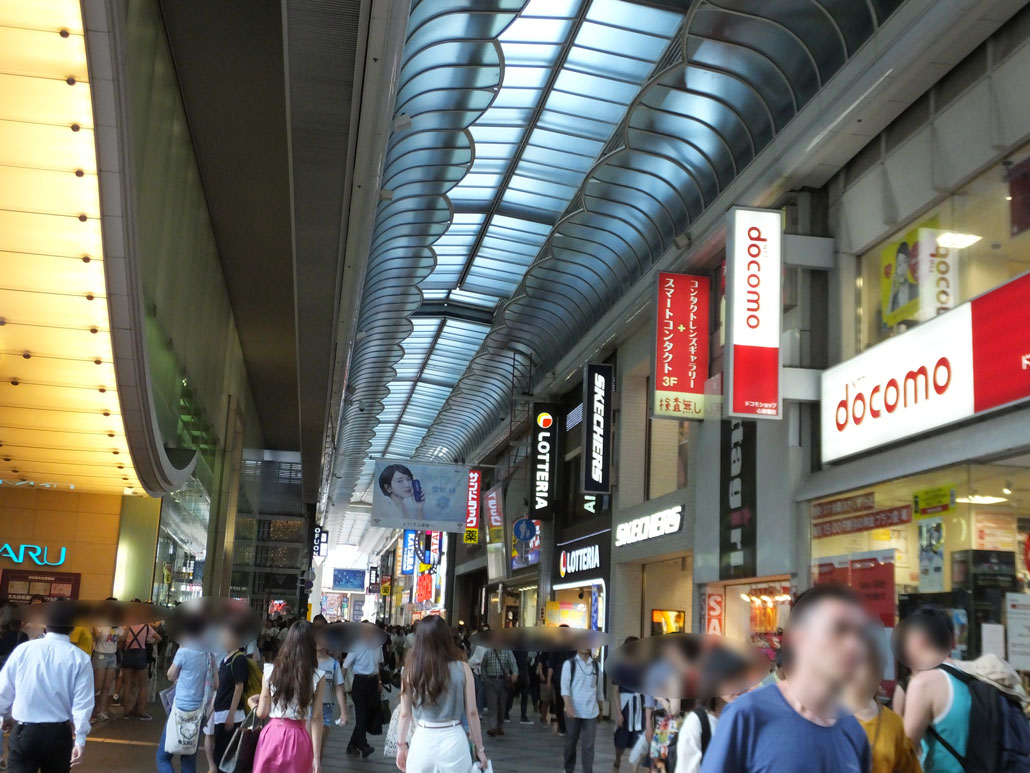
point(188, 762)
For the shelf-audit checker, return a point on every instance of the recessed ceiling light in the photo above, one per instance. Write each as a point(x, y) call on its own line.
point(955, 241)
point(981, 499)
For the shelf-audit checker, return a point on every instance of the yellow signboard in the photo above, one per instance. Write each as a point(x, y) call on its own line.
point(930, 502)
point(471, 536)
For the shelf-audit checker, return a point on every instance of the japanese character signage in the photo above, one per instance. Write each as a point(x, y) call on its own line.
point(472, 514)
point(881, 519)
point(681, 346)
point(754, 311)
point(493, 503)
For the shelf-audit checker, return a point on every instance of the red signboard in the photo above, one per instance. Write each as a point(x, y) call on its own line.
point(858, 503)
point(881, 519)
point(472, 513)
point(424, 587)
point(714, 614)
point(873, 578)
point(681, 346)
point(1001, 345)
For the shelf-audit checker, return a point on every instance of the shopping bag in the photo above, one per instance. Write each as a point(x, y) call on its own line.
point(476, 769)
point(167, 699)
point(376, 718)
point(638, 753)
point(182, 732)
point(239, 754)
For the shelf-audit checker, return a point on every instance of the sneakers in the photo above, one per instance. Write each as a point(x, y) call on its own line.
point(508, 720)
point(103, 716)
point(116, 698)
point(144, 716)
point(525, 721)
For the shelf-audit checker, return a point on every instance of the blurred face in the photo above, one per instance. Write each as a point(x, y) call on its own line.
point(400, 485)
point(829, 641)
point(865, 684)
point(919, 652)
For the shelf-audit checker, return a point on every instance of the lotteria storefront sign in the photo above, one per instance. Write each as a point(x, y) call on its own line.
point(545, 451)
point(583, 560)
point(967, 361)
point(598, 399)
point(754, 262)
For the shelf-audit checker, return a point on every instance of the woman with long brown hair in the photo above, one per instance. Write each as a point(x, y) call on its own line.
point(437, 690)
point(291, 688)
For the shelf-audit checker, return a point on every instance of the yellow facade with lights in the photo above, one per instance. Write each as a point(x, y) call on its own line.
point(60, 418)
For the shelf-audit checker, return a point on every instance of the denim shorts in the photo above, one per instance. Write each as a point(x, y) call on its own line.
point(105, 660)
point(327, 714)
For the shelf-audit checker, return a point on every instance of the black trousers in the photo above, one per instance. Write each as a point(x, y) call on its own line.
point(45, 747)
point(558, 707)
point(365, 694)
point(222, 738)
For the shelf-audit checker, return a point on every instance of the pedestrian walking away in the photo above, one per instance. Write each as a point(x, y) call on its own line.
point(363, 662)
point(582, 691)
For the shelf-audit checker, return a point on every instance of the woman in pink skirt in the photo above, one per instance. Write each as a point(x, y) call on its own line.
point(292, 685)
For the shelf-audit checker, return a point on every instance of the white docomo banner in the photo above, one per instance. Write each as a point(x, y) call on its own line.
point(901, 387)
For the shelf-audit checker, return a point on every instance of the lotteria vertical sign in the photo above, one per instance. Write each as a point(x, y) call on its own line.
point(598, 396)
point(681, 346)
point(545, 451)
point(472, 511)
point(754, 263)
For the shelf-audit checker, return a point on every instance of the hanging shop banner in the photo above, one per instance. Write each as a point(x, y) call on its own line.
point(472, 511)
point(1017, 607)
point(881, 519)
point(931, 555)
point(738, 500)
point(583, 560)
point(20, 585)
point(970, 360)
point(938, 500)
point(681, 346)
point(598, 404)
point(493, 505)
point(754, 263)
point(408, 551)
point(386, 586)
point(545, 452)
point(900, 285)
point(858, 503)
point(424, 587)
point(419, 495)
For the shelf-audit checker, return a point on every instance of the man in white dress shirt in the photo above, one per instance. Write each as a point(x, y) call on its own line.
point(582, 690)
point(363, 661)
point(46, 698)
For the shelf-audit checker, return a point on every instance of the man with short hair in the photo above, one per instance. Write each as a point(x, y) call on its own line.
point(582, 690)
point(363, 660)
point(797, 724)
point(497, 667)
point(937, 704)
point(46, 698)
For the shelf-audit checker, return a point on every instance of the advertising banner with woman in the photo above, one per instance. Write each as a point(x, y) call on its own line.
point(419, 495)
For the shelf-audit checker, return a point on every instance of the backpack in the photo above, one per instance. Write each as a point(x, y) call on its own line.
point(706, 729)
point(254, 677)
point(572, 668)
point(999, 735)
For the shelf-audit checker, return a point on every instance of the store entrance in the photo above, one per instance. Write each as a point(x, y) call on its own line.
point(582, 606)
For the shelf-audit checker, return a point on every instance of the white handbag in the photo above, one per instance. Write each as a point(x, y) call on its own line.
point(182, 733)
point(476, 769)
point(390, 744)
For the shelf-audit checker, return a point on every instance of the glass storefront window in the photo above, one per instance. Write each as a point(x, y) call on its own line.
point(953, 537)
point(182, 544)
point(974, 241)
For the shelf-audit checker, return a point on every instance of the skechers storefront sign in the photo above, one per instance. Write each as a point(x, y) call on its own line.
point(583, 560)
point(545, 451)
point(41, 556)
point(658, 524)
point(598, 394)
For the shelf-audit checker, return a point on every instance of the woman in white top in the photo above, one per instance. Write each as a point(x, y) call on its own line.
point(724, 676)
point(291, 687)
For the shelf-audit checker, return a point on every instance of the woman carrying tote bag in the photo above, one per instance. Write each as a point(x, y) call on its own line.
point(292, 686)
point(189, 671)
point(437, 690)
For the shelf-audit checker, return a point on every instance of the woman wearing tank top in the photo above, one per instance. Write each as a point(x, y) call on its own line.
point(437, 690)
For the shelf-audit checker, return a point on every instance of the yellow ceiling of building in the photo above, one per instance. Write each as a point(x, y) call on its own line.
point(60, 419)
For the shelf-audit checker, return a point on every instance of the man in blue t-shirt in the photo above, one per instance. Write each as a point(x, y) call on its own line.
point(797, 724)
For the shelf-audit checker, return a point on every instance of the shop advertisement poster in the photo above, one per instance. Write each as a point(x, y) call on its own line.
point(938, 276)
point(872, 575)
point(681, 346)
point(858, 503)
point(419, 495)
point(20, 585)
point(1017, 610)
point(832, 569)
point(931, 555)
point(994, 531)
point(899, 277)
point(738, 500)
point(939, 500)
point(881, 519)
point(529, 554)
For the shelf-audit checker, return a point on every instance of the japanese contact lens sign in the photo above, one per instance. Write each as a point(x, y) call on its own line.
point(681, 346)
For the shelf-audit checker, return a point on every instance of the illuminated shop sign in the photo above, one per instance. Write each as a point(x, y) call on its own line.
point(320, 542)
point(583, 560)
point(681, 346)
point(649, 526)
point(598, 396)
point(545, 451)
point(754, 262)
point(738, 500)
point(967, 361)
point(493, 502)
point(472, 510)
point(38, 555)
point(408, 551)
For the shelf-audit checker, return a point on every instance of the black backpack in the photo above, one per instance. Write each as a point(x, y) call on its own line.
point(999, 734)
point(706, 729)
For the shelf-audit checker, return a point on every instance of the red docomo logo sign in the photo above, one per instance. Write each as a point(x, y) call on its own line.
point(889, 397)
point(756, 247)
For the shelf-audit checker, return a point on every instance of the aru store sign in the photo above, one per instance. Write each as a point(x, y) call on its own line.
point(40, 556)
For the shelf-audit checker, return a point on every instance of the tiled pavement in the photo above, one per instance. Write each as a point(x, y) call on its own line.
point(128, 745)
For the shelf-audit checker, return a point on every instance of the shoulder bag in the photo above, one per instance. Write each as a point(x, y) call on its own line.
point(239, 754)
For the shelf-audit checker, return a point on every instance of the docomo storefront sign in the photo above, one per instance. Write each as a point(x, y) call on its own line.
point(972, 359)
point(649, 526)
point(754, 263)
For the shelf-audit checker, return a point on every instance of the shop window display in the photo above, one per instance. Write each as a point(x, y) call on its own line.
point(954, 537)
point(975, 240)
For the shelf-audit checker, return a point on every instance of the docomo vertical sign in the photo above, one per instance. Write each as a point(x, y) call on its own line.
point(967, 361)
point(544, 455)
point(754, 264)
point(598, 396)
point(472, 512)
point(681, 346)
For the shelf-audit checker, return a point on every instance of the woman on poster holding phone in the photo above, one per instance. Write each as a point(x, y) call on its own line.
point(404, 494)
